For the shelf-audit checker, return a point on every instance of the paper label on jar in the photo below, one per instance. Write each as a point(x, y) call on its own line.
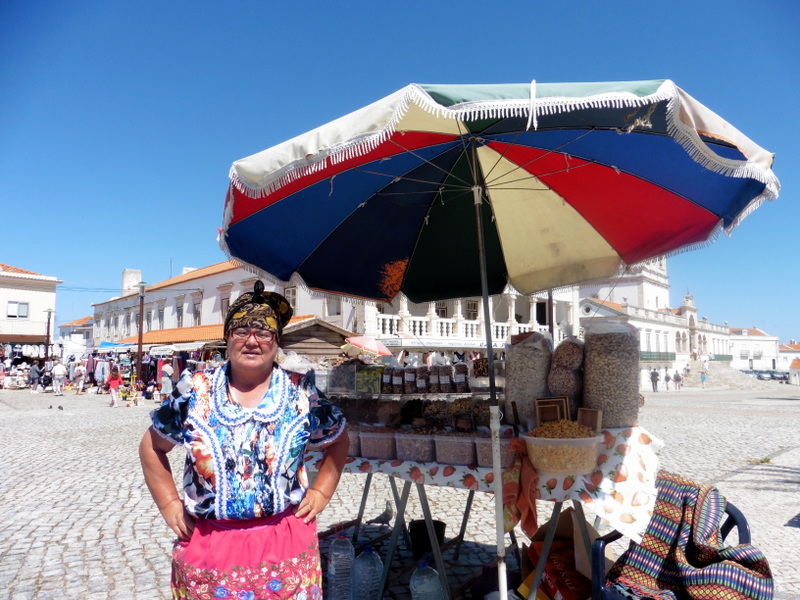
point(421, 383)
point(410, 377)
point(459, 378)
point(397, 380)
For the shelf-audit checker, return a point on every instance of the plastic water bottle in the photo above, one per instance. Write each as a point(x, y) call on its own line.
point(425, 583)
point(367, 572)
point(340, 562)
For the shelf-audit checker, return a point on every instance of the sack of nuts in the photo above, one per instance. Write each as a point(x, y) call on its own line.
point(460, 377)
point(423, 377)
point(527, 366)
point(386, 380)
point(611, 372)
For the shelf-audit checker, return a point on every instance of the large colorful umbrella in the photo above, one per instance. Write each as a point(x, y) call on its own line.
point(449, 191)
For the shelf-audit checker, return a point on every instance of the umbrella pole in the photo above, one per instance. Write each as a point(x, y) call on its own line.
point(494, 409)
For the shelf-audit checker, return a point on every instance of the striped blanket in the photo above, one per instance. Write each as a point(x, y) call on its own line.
point(682, 553)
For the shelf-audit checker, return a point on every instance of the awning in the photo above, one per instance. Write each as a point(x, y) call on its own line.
point(169, 349)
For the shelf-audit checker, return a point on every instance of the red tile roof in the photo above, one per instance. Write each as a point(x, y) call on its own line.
point(9, 269)
point(196, 274)
point(77, 322)
point(746, 331)
point(795, 364)
point(199, 333)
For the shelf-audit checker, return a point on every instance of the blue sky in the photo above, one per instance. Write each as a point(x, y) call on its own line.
point(119, 120)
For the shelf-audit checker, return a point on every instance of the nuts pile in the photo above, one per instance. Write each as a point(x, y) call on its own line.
point(562, 447)
point(611, 377)
point(415, 446)
point(562, 429)
point(454, 448)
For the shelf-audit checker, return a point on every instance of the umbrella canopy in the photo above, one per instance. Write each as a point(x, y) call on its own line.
point(576, 182)
point(364, 344)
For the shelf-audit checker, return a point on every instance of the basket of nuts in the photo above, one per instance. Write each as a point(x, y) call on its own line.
point(562, 447)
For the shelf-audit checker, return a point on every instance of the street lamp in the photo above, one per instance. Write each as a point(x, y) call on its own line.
point(49, 312)
point(141, 328)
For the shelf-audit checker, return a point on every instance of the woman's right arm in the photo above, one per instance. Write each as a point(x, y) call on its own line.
point(153, 451)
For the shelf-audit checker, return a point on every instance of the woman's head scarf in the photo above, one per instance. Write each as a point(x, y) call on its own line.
point(265, 310)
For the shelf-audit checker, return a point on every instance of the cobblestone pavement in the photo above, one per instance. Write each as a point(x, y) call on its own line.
point(78, 522)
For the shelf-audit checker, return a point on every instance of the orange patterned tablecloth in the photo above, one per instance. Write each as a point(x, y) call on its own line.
point(621, 489)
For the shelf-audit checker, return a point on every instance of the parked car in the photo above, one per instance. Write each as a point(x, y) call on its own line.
point(780, 375)
point(764, 375)
point(749, 372)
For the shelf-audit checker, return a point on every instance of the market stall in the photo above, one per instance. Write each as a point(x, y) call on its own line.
point(532, 185)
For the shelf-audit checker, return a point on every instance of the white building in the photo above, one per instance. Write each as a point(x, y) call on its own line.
point(753, 349)
point(787, 354)
point(199, 298)
point(28, 302)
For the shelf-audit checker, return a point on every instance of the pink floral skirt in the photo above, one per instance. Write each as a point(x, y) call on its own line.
point(271, 558)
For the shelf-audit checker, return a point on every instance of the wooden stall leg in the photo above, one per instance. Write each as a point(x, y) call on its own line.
point(550, 534)
point(362, 508)
point(398, 525)
point(437, 553)
point(401, 518)
point(464, 520)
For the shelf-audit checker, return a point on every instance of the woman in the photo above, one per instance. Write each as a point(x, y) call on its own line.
point(78, 378)
point(113, 383)
point(246, 523)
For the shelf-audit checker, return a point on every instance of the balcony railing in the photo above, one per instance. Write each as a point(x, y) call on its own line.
point(450, 332)
point(647, 356)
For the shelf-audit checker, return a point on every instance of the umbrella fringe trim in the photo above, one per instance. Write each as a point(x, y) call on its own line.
point(365, 143)
point(699, 152)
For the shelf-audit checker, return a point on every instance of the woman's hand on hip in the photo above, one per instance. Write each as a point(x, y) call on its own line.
point(313, 503)
point(181, 522)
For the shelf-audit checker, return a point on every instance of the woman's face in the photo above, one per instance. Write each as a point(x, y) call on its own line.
point(249, 353)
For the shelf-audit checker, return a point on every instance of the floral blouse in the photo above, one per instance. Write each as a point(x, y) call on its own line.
point(244, 463)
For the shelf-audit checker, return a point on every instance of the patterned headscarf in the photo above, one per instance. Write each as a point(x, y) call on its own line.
point(267, 310)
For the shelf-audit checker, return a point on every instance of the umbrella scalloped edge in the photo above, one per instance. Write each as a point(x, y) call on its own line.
point(381, 128)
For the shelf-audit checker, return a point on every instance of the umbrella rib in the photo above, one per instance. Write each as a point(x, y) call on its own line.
point(413, 179)
point(426, 161)
point(523, 165)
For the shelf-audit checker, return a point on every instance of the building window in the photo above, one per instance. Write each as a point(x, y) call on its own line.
point(196, 312)
point(471, 312)
point(647, 341)
point(127, 323)
point(17, 310)
point(225, 304)
point(381, 308)
point(161, 317)
point(334, 306)
point(290, 293)
point(148, 320)
point(179, 315)
point(441, 309)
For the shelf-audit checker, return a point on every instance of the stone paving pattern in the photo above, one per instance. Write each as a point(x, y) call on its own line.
point(79, 523)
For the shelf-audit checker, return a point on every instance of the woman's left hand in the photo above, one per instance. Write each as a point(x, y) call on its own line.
point(313, 503)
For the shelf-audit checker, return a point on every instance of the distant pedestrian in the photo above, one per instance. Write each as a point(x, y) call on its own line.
point(703, 378)
point(59, 378)
point(78, 378)
point(667, 379)
point(678, 381)
point(654, 377)
point(34, 375)
point(114, 382)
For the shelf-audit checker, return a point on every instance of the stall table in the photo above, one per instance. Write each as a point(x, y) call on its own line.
point(621, 490)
